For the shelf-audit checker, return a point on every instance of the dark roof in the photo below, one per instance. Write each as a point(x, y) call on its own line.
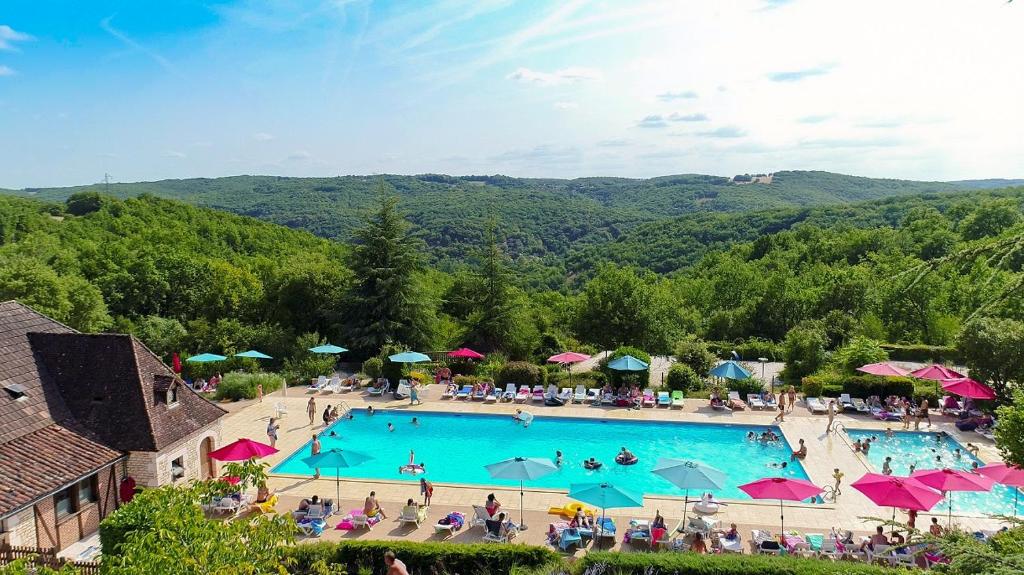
point(88, 397)
point(45, 460)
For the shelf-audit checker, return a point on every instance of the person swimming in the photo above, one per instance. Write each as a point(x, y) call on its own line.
point(751, 436)
point(558, 458)
point(412, 467)
point(369, 410)
point(415, 421)
point(333, 434)
point(626, 457)
point(391, 426)
point(779, 465)
point(592, 464)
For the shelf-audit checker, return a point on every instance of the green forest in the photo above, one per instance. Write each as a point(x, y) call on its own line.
point(916, 270)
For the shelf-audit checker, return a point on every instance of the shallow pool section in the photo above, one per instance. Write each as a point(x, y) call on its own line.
point(455, 447)
point(923, 450)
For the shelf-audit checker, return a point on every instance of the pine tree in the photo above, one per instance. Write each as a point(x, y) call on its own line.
point(493, 319)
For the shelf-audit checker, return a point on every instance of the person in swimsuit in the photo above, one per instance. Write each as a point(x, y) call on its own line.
point(272, 428)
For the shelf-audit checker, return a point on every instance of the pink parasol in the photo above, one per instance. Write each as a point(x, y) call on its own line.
point(1007, 475)
point(241, 450)
point(781, 488)
point(883, 369)
point(902, 492)
point(936, 372)
point(949, 480)
point(465, 353)
point(967, 387)
point(568, 357)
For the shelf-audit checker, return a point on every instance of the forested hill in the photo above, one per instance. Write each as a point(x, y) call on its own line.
point(539, 218)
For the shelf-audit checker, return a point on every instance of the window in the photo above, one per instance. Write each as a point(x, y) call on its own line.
point(172, 395)
point(63, 502)
point(178, 468)
point(87, 489)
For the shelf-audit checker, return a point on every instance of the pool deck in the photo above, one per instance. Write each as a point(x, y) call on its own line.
point(825, 452)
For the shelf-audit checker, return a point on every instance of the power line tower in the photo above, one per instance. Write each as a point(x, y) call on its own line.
point(106, 182)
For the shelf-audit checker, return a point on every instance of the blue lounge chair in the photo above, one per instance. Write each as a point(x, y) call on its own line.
point(568, 538)
point(464, 392)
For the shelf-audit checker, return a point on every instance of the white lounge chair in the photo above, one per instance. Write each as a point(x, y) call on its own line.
point(490, 537)
point(565, 395)
point(538, 393)
point(879, 553)
point(227, 505)
point(815, 405)
point(580, 395)
point(551, 392)
point(735, 402)
point(648, 398)
point(379, 389)
point(523, 394)
point(317, 385)
point(860, 405)
point(754, 400)
point(345, 385)
point(846, 402)
point(608, 399)
point(763, 542)
point(412, 514)
point(678, 400)
point(594, 396)
point(771, 403)
point(479, 394)
point(664, 399)
point(491, 395)
point(449, 392)
point(731, 545)
point(480, 516)
point(829, 549)
point(510, 392)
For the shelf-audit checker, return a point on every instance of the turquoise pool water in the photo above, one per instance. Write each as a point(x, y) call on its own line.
point(921, 449)
point(455, 448)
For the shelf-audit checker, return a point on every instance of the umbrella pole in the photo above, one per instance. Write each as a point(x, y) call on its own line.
point(949, 518)
point(337, 485)
point(522, 522)
point(601, 527)
point(686, 501)
point(782, 517)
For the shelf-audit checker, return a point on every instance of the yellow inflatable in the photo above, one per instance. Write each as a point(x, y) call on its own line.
point(569, 510)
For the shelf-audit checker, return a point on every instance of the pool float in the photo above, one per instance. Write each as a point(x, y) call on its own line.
point(621, 461)
point(412, 469)
point(569, 510)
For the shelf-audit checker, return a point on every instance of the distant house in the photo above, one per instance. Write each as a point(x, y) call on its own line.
point(81, 413)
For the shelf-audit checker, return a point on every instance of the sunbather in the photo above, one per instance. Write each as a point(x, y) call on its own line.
point(878, 538)
point(698, 545)
point(305, 503)
point(500, 528)
point(800, 453)
point(658, 521)
point(371, 508)
point(581, 519)
point(493, 505)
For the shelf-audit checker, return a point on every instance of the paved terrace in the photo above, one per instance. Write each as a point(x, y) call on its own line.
point(826, 452)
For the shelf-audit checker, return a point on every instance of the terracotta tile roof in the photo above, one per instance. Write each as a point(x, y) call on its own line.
point(87, 399)
point(45, 460)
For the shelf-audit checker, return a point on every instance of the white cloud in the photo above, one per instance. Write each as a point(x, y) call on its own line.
point(6, 71)
point(672, 96)
point(570, 75)
point(262, 137)
point(566, 105)
point(174, 154)
point(299, 156)
point(9, 36)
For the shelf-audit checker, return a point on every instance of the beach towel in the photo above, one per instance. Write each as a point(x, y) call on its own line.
point(454, 518)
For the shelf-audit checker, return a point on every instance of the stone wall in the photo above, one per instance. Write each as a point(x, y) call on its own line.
point(21, 529)
point(154, 469)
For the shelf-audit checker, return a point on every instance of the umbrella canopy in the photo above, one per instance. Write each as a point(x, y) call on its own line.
point(568, 357)
point(884, 369)
point(730, 370)
point(1003, 473)
point(253, 354)
point(205, 358)
point(522, 469)
point(936, 372)
point(902, 492)
point(689, 475)
point(409, 357)
point(953, 480)
point(627, 363)
point(337, 459)
point(327, 348)
point(967, 387)
point(783, 489)
point(465, 353)
point(605, 495)
point(241, 450)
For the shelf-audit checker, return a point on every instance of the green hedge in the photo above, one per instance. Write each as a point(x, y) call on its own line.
point(921, 352)
point(521, 373)
point(864, 386)
point(729, 564)
point(420, 558)
point(588, 379)
point(236, 386)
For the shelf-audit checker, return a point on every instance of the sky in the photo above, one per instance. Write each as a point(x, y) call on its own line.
point(917, 89)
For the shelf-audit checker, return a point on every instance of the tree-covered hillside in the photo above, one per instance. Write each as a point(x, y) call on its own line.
point(540, 220)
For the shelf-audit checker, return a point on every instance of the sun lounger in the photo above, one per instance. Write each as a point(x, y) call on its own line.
point(608, 399)
point(523, 394)
point(701, 525)
point(379, 389)
point(318, 384)
point(449, 524)
point(594, 397)
point(479, 394)
point(604, 528)
point(731, 545)
point(829, 549)
point(565, 394)
point(311, 527)
point(331, 386)
point(580, 394)
point(735, 403)
point(755, 401)
point(771, 403)
point(491, 394)
point(677, 399)
point(449, 392)
point(346, 385)
point(538, 393)
point(883, 415)
point(846, 403)
point(510, 392)
point(639, 532)
point(267, 506)
point(815, 405)
point(495, 534)
point(664, 399)
point(480, 516)
point(763, 542)
point(718, 404)
point(860, 406)
point(569, 537)
point(227, 505)
point(648, 398)
point(412, 514)
point(464, 392)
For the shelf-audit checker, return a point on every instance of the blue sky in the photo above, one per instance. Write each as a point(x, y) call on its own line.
point(925, 89)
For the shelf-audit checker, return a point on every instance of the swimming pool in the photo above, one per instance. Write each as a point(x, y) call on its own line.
point(921, 449)
point(455, 447)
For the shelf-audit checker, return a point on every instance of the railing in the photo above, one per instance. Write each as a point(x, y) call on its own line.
point(44, 557)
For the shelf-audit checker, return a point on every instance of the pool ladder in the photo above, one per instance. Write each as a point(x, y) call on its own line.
point(343, 408)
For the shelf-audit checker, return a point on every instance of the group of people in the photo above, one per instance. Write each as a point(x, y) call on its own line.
point(624, 396)
point(330, 414)
point(623, 457)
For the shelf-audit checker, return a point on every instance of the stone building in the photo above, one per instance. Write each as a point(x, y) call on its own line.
point(82, 417)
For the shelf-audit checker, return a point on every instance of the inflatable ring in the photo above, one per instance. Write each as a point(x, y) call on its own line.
point(411, 469)
point(569, 510)
point(621, 461)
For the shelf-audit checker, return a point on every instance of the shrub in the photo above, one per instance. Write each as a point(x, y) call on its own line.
point(236, 386)
point(749, 349)
point(372, 367)
point(588, 379)
point(862, 386)
point(859, 351)
point(420, 558)
point(682, 377)
point(521, 373)
point(696, 355)
point(746, 386)
point(922, 353)
point(804, 351)
point(694, 564)
point(461, 380)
